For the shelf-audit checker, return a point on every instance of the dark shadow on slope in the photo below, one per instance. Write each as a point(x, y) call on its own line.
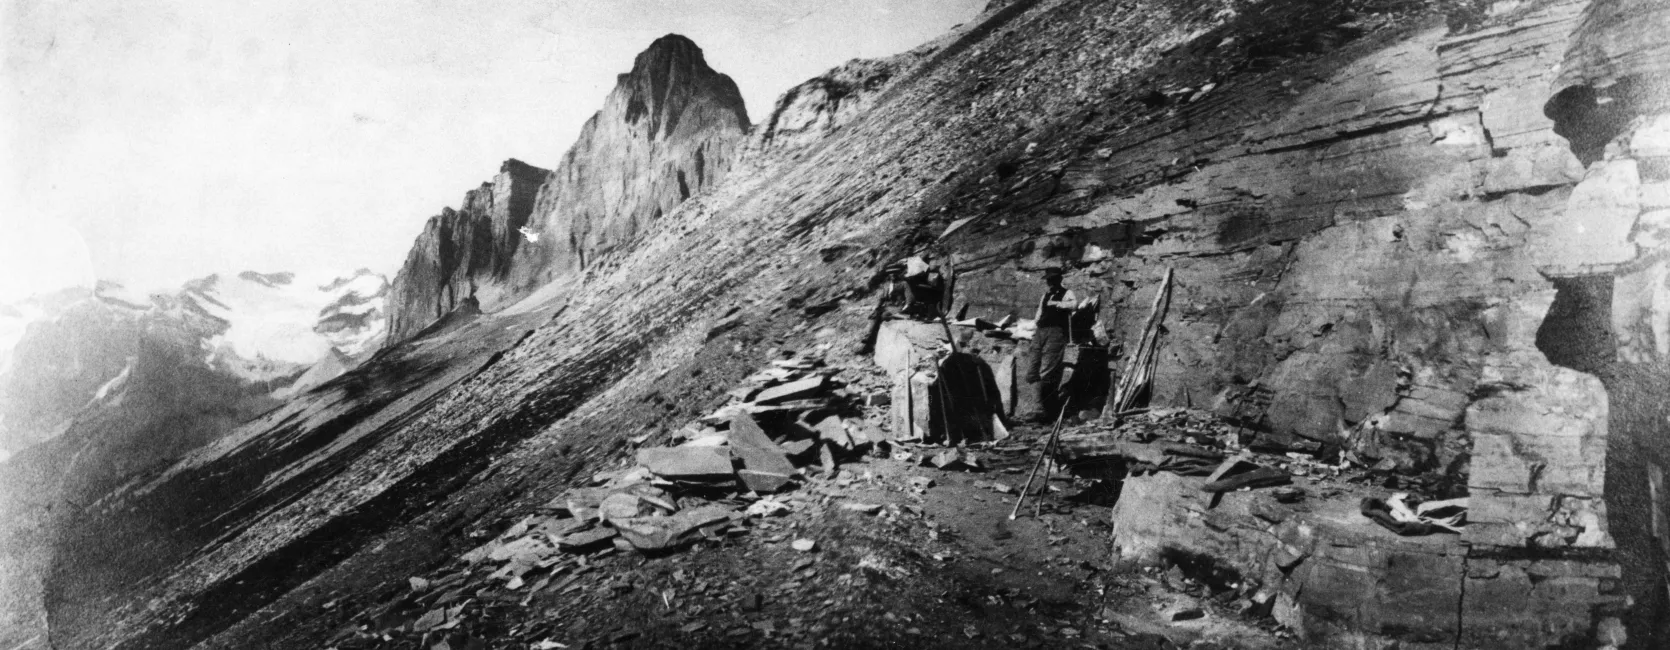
point(467, 311)
point(1577, 334)
point(235, 597)
point(1639, 439)
point(114, 548)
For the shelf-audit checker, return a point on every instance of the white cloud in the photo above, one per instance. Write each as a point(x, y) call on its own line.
point(39, 257)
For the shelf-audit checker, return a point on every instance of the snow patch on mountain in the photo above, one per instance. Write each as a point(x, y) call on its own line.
point(110, 393)
point(276, 333)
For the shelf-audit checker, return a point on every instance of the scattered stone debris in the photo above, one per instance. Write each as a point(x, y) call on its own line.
point(1190, 442)
point(863, 508)
point(738, 474)
point(768, 508)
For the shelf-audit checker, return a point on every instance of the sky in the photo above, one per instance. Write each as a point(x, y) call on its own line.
point(153, 141)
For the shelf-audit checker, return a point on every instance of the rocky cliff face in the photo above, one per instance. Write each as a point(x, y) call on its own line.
point(1385, 243)
point(1382, 241)
point(669, 130)
point(466, 251)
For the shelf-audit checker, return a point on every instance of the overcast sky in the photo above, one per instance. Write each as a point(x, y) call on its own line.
point(160, 140)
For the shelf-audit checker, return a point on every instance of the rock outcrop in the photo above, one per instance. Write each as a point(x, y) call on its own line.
point(1383, 244)
point(669, 130)
point(809, 112)
point(465, 251)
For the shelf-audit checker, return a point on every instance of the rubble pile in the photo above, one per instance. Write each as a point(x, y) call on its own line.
point(795, 419)
point(1189, 442)
point(795, 416)
point(719, 563)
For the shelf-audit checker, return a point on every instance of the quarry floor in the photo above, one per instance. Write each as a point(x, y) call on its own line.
point(893, 566)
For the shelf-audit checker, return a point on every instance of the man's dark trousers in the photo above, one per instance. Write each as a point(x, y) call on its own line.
point(1049, 348)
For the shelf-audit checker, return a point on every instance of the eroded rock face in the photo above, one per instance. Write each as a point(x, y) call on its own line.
point(1363, 260)
point(1618, 67)
point(465, 251)
point(808, 112)
point(668, 131)
point(1409, 251)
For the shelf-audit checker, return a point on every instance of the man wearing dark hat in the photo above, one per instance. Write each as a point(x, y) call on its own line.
point(1049, 342)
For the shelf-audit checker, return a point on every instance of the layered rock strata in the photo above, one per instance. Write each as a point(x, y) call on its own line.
point(1389, 246)
point(1322, 569)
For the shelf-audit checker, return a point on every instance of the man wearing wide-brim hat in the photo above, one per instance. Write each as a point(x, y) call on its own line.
point(1049, 342)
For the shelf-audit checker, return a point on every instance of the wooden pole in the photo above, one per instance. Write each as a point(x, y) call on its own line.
point(1056, 430)
point(1139, 369)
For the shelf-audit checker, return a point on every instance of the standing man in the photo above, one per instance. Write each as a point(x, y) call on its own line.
point(1049, 343)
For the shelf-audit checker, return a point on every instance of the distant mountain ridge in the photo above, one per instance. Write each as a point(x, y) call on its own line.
point(98, 385)
point(265, 330)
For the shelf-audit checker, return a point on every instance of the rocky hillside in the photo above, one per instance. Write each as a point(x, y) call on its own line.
point(669, 129)
point(1421, 235)
point(105, 384)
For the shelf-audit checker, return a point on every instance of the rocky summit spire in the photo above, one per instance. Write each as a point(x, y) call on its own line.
point(665, 80)
point(667, 131)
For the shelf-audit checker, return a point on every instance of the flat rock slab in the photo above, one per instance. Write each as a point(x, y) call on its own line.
point(762, 482)
point(1282, 442)
point(834, 430)
point(686, 461)
point(794, 390)
point(657, 533)
point(900, 344)
point(798, 447)
point(1260, 477)
point(757, 451)
point(580, 542)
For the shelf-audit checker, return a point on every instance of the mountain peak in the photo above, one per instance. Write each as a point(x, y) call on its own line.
point(669, 75)
point(517, 167)
point(672, 43)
